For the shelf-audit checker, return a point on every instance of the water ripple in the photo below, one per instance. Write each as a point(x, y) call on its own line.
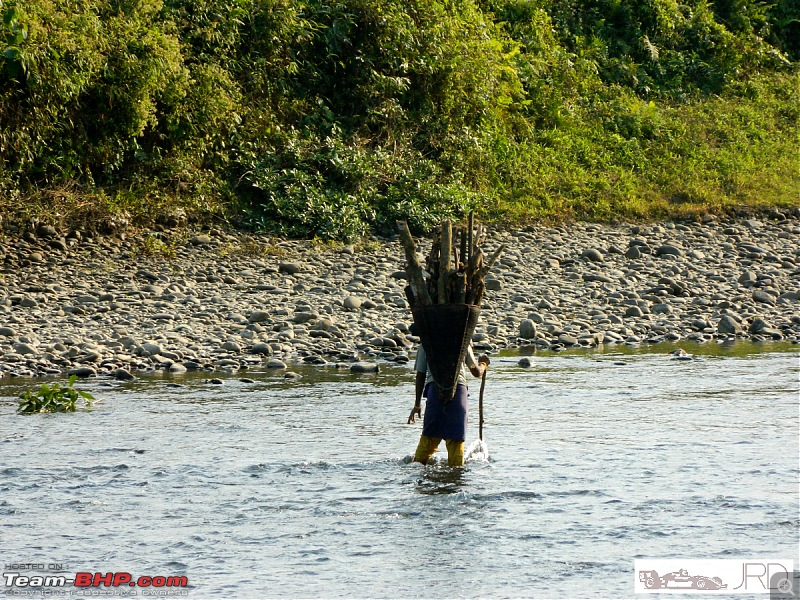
point(588, 468)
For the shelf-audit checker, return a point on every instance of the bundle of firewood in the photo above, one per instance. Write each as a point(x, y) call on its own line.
point(456, 271)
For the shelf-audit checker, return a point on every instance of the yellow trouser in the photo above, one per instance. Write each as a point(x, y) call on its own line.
point(428, 445)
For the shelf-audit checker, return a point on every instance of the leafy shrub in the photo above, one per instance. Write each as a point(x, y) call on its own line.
point(53, 398)
point(15, 34)
point(332, 119)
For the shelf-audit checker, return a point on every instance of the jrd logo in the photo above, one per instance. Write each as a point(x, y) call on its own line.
point(710, 576)
point(764, 573)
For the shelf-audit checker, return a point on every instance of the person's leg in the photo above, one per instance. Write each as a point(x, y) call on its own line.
point(425, 449)
point(455, 453)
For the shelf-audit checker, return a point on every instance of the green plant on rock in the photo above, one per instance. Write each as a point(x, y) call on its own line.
point(54, 398)
point(154, 245)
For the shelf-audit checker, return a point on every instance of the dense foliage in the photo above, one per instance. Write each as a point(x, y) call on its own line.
point(314, 117)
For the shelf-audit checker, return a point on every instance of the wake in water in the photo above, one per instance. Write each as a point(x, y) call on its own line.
point(478, 451)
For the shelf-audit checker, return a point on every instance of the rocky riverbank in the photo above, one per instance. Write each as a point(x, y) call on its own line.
point(216, 301)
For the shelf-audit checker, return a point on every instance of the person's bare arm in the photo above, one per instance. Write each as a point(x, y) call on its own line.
point(419, 386)
point(483, 363)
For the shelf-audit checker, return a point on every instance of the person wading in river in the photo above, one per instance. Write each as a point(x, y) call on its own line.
point(442, 421)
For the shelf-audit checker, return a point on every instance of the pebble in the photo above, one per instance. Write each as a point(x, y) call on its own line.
point(668, 249)
point(82, 372)
point(565, 287)
point(634, 311)
point(493, 285)
point(290, 268)
point(763, 297)
point(729, 325)
point(592, 254)
point(123, 375)
point(527, 329)
point(25, 349)
point(258, 316)
point(633, 253)
point(353, 302)
point(151, 349)
point(364, 367)
point(200, 240)
point(567, 340)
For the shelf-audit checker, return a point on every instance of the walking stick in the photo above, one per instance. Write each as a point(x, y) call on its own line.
point(480, 406)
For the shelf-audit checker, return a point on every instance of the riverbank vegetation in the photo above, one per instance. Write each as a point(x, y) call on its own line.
point(53, 398)
point(331, 119)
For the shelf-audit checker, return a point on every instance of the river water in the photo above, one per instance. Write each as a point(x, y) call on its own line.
point(304, 488)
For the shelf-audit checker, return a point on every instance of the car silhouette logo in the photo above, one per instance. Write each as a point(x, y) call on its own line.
point(680, 580)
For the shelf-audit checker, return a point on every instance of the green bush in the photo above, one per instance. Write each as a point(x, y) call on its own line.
point(333, 119)
point(53, 398)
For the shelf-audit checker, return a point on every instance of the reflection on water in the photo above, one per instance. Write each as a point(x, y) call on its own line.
point(305, 488)
point(436, 479)
point(726, 348)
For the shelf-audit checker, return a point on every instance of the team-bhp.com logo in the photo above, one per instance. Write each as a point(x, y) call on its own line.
point(149, 585)
point(726, 576)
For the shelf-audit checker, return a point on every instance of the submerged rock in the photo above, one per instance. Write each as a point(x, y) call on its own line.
point(364, 367)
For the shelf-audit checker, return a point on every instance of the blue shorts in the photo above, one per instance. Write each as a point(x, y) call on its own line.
point(445, 421)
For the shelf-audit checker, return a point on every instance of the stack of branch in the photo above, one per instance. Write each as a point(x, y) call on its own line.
point(456, 265)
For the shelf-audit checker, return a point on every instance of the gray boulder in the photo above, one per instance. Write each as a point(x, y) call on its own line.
point(527, 329)
point(758, 325)
point(728, 325)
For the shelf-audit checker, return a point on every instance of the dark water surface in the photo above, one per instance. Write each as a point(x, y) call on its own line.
point(303, 488)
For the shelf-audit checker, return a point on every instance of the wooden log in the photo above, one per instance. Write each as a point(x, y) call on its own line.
point(492, 259)
point(462, 253)
point(409, 292)
point(433, 257)
point(432, 267)
point(473, 275)
point(480, 234)
point(444, 262)
point(456, 272)
point(433, 282)
point(460, 288)
point(470, 239)
point(479, 290)
point(413, 268)
point(475, 263)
